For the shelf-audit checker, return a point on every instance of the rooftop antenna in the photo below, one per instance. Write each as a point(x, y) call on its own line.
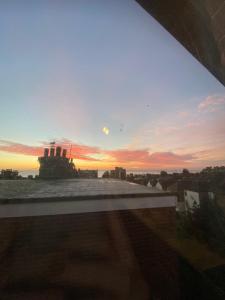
point(70, 150)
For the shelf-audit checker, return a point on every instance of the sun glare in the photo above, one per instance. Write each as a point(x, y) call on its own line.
point(105, 130)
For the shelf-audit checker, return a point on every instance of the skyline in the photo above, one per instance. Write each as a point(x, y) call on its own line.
point(70, 70)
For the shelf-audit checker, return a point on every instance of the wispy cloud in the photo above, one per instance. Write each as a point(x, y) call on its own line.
point(211, 103)
point(162, 130)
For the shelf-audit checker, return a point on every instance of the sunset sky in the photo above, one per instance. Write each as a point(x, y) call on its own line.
point(71, 68)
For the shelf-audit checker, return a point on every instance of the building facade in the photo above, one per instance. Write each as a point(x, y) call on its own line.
point(55, 164)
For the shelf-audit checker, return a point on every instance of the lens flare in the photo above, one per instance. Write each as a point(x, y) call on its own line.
point(105, 130)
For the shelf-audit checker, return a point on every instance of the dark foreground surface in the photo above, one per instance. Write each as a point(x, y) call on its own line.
point(101, 255)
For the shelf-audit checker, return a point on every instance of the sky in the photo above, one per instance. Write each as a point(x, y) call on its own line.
point(70, 69)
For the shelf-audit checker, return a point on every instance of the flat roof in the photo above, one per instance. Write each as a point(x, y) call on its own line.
point(20, 198)
point(88, 188)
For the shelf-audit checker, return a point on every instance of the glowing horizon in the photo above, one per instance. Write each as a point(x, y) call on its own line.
point(24, 157)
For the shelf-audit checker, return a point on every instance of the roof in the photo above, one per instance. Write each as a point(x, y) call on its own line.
point(38, 197)
point(28, 189)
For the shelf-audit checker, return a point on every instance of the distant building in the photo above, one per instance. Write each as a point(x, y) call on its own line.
point(54, 164)
point(106, 174)
point(9, 174)
point(112, 174)
point(159, 186)
point(120, 173)
point(88, 173)
point(117, 173)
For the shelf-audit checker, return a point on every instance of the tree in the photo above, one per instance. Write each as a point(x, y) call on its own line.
point(186, 172)
point(163, 173)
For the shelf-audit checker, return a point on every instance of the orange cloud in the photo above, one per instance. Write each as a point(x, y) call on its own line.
point(124, 155)
point(77, 151)
point(133, 158)
point(18, 148)
point(144, 158)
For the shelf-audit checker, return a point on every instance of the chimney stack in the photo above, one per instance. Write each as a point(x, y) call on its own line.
point(52, 152)
point(58, 151)
point(46, 152)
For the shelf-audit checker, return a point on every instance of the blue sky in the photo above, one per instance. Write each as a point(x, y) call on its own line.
point(69, 68)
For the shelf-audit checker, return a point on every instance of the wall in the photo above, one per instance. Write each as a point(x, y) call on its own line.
point(190, 199)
